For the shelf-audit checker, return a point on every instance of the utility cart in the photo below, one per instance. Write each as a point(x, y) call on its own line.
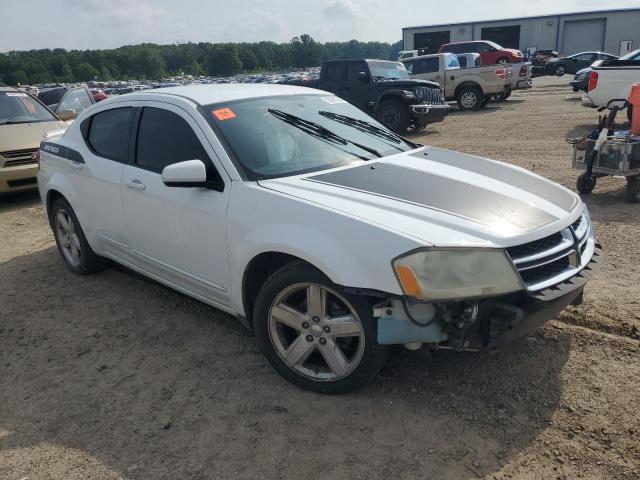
point(608, 153)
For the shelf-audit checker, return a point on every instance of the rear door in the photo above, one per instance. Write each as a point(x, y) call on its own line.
point(97, 174)
point(335, 77)
point(176, 233)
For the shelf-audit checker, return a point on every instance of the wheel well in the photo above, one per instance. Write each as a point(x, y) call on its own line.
point(389, 96)
point(467, 85)
point(52, 196)
point(258, 270)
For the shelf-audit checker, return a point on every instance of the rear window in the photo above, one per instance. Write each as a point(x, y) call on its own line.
point(108, 134)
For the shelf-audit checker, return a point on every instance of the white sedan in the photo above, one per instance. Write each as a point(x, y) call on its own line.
point(328, 235)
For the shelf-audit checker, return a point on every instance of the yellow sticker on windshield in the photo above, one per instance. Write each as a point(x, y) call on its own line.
point(224, 114)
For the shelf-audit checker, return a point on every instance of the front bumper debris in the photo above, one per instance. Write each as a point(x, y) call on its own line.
point(488, 323)
point(429, 113)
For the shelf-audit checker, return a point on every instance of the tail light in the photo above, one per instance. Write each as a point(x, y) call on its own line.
point(593, 81)
point(500, 73)
point(523, 71)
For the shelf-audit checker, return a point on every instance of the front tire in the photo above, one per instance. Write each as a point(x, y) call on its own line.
point(470, 98)
point(503, 61)
point(395, 115)
point(72, 243)
point(315, 335)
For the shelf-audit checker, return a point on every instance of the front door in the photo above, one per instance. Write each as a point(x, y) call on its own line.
point(176, 233)
point(357, 90)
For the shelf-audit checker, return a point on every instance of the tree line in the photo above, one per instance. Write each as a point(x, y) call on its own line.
point(151, 61)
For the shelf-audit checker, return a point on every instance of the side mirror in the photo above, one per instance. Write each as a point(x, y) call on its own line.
point(363, 77)
point(190, 173)
point(66, 115)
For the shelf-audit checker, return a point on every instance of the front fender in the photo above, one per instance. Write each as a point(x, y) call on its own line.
point(348, 250)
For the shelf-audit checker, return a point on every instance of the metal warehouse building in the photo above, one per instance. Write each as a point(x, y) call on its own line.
point(611, 31)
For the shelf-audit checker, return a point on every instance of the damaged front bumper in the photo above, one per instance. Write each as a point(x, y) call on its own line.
point(481, 324)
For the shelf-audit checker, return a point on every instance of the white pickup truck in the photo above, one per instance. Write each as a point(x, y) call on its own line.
point(612, 79)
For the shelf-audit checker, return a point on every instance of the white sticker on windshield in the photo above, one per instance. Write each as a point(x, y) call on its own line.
point(333, 100)
point(16, 94)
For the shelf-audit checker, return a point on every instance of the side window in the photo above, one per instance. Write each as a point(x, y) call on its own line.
point(336, 72)
point(165, 138)
point(462, 60)
point(427, 65)
point(480, 48)
point(409, 67)
point(108, 133)
point(353, 69)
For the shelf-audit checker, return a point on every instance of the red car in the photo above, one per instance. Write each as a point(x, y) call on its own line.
point(490, 52)
point(98, 95)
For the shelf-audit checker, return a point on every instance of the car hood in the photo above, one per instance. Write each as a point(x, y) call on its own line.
point(405, 83)
point(441, 198)
point(23, 136)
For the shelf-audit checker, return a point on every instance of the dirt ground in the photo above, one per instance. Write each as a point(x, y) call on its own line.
point(113, 376)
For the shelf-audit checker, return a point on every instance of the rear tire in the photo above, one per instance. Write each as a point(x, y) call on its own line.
point(470, 98)
point(395, 115)
point(72, 243)
point(560, 70)
point(585, 183)
point(503, 61)
point(295, 322)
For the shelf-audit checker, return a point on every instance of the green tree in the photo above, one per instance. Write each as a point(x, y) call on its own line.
point(223, 60)
point(85, 72)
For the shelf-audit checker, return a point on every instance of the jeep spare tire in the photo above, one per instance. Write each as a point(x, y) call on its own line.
point(394, 114)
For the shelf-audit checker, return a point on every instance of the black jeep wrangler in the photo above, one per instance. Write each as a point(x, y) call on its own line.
point(384, 89)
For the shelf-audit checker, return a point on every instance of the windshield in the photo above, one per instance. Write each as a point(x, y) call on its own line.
point(388, 71)
point(280, 136)
point(635, 55)
point(20, 107)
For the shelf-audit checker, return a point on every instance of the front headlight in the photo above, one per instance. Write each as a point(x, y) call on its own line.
point(453, 274)
point(409, 94)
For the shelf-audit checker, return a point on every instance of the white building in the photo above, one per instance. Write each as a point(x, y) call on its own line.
point(611, 31)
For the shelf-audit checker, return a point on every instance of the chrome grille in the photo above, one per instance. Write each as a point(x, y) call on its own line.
point(430, 95)
point(553, 259)
point(18, 157)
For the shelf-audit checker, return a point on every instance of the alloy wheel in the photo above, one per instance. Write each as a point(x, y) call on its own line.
point(68, 237)
point(469, 100)
point(316, 332)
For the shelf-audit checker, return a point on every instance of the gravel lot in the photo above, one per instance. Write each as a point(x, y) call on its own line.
point(113, 376)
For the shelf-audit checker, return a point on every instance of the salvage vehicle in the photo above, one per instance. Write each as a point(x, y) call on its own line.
point(539, 60)
point(612, 79)
point(471, 87)
point(491, 52)
point(23, 122)
point(573, 63)
point(326, 233)
point(383, 88)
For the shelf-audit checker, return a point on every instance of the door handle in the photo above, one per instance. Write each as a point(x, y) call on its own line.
point(136, 184)
point(76, 165)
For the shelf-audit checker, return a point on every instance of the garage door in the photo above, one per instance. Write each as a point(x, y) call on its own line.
point(583, 35)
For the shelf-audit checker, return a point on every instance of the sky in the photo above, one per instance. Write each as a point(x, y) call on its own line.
point(99, 24)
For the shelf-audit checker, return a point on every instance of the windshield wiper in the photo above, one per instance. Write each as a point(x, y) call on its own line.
point(366, 127)
point(318, 131)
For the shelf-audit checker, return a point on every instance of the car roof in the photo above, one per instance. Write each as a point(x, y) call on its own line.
point(9, 89)
point(215, 93)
